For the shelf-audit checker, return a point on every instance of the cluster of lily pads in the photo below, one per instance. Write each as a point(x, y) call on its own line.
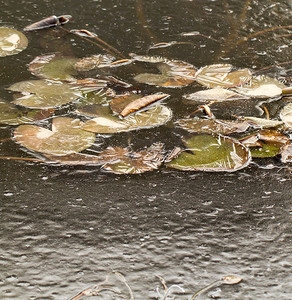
point(104, 104)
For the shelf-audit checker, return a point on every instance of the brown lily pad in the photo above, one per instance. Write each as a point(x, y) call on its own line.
point(66, 137)
point(221, 75)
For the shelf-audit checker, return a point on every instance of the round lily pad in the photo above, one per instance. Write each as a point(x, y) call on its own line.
point(66, 137)
point(286, 115)
point(174, 73)
point(54, 67)
point(44, 93)
point(211, 153)
point(11, 41)
point(266, 150)
point(215, 94)
point(212, 126)
point(261, 87)
point(106, 122)
point(221, 75)
point(10, 114)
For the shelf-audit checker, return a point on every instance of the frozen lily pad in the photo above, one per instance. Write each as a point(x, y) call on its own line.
point(93, 62)
point(286, 115)
point(221, 75)
point(287, 154)
point(44, 93)
point(212, 126)
point(123, 161)
point(66, 137)
point(11, 41)
point(261, 87)
point(12, 115)
point(263, 123)
point(212, 153)
point(54, 67)
point(105, 122)
point(174, 73)
point(215, 94)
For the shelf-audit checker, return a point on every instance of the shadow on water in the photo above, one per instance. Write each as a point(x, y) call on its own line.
point(64, 228)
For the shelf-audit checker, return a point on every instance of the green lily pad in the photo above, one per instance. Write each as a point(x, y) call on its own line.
point(221, 75)
point(215, 94)
point(266, 150)
point(212, 153)
point(11, 41)
point(44, 93)
point(174, 73)
point(106, 122)
point(212, 126)
point(261, 87)
point(12, 115)
point(66, 137)
point(286, 115)
point(123, 161)
point(54, 67)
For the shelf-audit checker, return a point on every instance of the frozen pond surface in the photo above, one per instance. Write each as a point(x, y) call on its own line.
point(64, 228)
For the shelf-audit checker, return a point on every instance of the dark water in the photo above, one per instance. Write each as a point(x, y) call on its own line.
point(63, 229)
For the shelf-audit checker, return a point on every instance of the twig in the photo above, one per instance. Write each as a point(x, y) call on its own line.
point(5, 140)
point(113, 50)
point(267, 112)
point(22, 158)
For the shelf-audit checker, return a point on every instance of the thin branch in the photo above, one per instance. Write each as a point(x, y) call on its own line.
point(22, 158)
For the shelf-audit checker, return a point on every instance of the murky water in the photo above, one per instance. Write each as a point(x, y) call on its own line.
point(64, 228)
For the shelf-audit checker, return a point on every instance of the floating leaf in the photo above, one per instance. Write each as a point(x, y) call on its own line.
point(54, 67)
point(119, 102)
point(12, 115)
point(93, 62)
point(263, 123)
point(221, 75)
point(44, 93)
point(231, 279)
point(266, 150)
point(66, 137)
point(48, 22)
point(126, 162)
point(212, 153)
point(213, 126)
point(273, 136)
point(11, 41)
point(262, 87)
point(148, 59)
point(175, 73)
point(215, 94)
point(287, 154)
point(142, 102)
point(107, 123)
point(286, 115)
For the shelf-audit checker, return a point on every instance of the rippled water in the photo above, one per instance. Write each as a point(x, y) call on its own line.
point(63, 228)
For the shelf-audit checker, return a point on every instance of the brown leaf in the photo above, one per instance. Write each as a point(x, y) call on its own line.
point(121, 101)
point(273, 136)
point(141, 103)
point(48, 22)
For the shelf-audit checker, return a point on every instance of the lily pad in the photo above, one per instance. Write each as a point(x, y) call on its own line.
point(212, 126)
point(263, 123)
point(44, 93)
point(266, 150)
point(126, 162)
point(174, 73)
point(93, 62)
point(66, 137)
point(212, 153)
point(54, 67)
point(215, 94)
point(287, 154)
point(286, 115)
point(11, 41)
point(261, 87)
point(10, 114)
point(105, 122)
point(221, 75)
